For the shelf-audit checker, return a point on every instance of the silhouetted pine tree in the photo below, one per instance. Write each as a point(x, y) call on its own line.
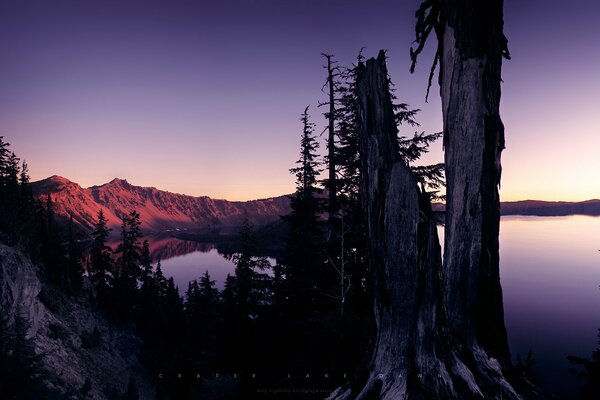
point(303, 254)
point(74, 263)
point(431, 177)
point(251, 288)
point(26, 232)
point(228, 347)
point(146, 262)
point(332, 83)
point(17, 206)
point(4, 155)
point(10, 192)
point(100, 260)
point(149, 294)
point(52, 253)
point(12, 196)
point(151, 318)
point(590, 373)
point(348, 257)
point(149, 299)
point(125, 285)
point(22, 376)
point(203, 321)
point(130, 246)
point(159, 279)
point(228, 293)
point(278, 299)
point(172, 305)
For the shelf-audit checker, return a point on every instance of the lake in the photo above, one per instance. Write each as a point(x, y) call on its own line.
point(550, 272)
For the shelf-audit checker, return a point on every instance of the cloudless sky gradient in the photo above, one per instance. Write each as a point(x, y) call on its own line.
point(204, 97)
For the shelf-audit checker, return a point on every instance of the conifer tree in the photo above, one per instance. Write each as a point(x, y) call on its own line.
point(230, 344)
point(146, 262)
point(23, 357)
point(159, 279)
point(126, 280)
point(74, 262)
point(332, 84)
point(24, 175)
point(251, 289)
point(149, 301)
point(51, 249)
point(22, 376)
point(100, 259)
point(203, 311)
point(229, 290)
point(206, 289)
point(17, 206)
point(25, 231)
point(173, 321)
point(4, 156)
point(151, 317)
point(130, 245)
point(348, 257)
point(303, 256)
point(13, 170)
point(9, 191)
point(411, 149)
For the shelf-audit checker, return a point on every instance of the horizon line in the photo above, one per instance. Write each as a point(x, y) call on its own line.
point(281, 195)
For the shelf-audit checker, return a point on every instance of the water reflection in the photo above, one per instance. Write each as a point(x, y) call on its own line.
point(167, 247)
point(550, 271)
point(184, 268)
point(186, 260)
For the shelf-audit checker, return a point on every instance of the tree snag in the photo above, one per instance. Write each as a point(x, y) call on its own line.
point(415, 353)
point(472, 47)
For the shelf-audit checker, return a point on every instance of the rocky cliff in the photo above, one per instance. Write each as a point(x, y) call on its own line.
point(160, 211)
point(81, 353)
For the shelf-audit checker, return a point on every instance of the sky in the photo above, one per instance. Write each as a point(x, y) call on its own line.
point(204, 97)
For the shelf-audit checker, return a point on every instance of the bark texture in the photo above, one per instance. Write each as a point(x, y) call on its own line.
point(415, 354)
point(472, 48)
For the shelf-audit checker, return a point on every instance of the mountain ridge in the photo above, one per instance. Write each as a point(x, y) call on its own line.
point(163, 211)
point(544, 208)
point(160, 211)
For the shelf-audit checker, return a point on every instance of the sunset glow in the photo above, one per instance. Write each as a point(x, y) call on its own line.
point(101, 90)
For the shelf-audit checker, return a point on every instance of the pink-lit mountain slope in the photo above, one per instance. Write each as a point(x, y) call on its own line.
point(160, 211)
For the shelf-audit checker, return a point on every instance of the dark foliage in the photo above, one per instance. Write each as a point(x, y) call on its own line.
point(310, 313)
point(22, 375)
point(589, 371)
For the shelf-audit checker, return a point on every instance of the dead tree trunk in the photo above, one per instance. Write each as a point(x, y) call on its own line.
point(331, 115)
point(471, 51)
point(414, 353)
point(331, 141)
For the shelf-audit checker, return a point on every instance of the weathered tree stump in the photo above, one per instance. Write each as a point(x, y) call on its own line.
point(416, 354)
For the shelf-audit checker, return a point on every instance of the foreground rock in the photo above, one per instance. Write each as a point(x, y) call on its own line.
point(82, 354)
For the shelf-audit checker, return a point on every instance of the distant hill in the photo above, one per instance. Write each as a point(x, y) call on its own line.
point(544, 208)
point(163, 211)
point(160, 211)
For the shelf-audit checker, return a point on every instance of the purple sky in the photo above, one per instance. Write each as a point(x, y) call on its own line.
point(203, 97)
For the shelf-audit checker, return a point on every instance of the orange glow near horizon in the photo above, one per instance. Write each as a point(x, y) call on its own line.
point(158, 101)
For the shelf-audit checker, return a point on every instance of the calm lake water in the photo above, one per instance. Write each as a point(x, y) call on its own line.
point(550, 272)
